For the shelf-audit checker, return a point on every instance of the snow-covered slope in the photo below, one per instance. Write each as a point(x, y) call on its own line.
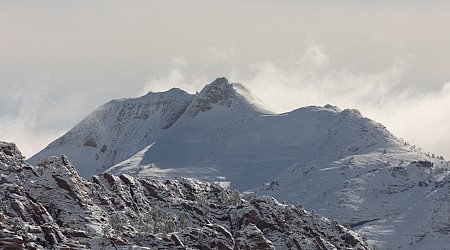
point(117, 130)
point(50, 206)
point(334, 161)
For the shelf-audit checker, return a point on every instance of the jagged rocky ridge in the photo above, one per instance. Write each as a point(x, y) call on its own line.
point(51, 206)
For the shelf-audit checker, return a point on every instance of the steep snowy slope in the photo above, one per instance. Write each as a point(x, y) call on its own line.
point(334, 161)
point(121, 128)
point(117, 130)
point(50, 206)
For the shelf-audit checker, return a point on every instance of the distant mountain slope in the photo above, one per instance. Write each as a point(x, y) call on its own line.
point(236, 145)
point(219, 129)
point(337, 162)
point(50, 206)
point(118, 129)
point(121, 128)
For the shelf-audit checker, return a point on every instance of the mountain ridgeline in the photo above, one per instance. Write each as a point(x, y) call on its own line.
point(121, 128)
point(220, 127)
point(336, 162)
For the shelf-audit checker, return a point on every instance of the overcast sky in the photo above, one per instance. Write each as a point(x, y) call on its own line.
point(59, 60)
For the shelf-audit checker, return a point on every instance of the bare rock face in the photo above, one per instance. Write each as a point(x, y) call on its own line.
point(221, 93)
point(51, 206)
point(33, 199)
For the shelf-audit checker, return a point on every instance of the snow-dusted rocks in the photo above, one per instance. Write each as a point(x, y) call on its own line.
point(27, 218)
point(221, 92)
point(50, 206)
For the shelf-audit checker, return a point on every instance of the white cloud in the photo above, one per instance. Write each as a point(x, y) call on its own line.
point(20, 127)
point(314, 80)
point(418, 116)
point(17, 130)
point(178, 76)
point(421, 118)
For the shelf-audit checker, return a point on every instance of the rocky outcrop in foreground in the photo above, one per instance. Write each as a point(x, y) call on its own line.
point(50, 205)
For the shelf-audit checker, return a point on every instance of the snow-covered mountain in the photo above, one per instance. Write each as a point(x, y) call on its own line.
point(219, 133)
point(50, 206)
point(337, 162)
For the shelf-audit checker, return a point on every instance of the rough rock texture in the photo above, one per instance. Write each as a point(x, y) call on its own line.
point(220, 92)
point(51, 206)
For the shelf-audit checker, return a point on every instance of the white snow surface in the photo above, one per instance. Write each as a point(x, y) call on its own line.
point(337, 162)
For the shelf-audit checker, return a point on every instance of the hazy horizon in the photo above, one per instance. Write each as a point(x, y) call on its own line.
point(60, 60)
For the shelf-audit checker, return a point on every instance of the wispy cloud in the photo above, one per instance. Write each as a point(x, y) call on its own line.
point(22, 126)
point(177, 76)
point(420, 116)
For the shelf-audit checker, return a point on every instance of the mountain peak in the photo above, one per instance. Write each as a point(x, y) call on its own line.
point(221, 81)
point(221, 93)
point(10, 153)
point(170, 92)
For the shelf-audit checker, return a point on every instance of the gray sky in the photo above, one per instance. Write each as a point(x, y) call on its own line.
point(390, 59)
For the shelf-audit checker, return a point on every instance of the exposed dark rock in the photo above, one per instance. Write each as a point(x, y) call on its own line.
point(424, 164)
point(90, 143)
